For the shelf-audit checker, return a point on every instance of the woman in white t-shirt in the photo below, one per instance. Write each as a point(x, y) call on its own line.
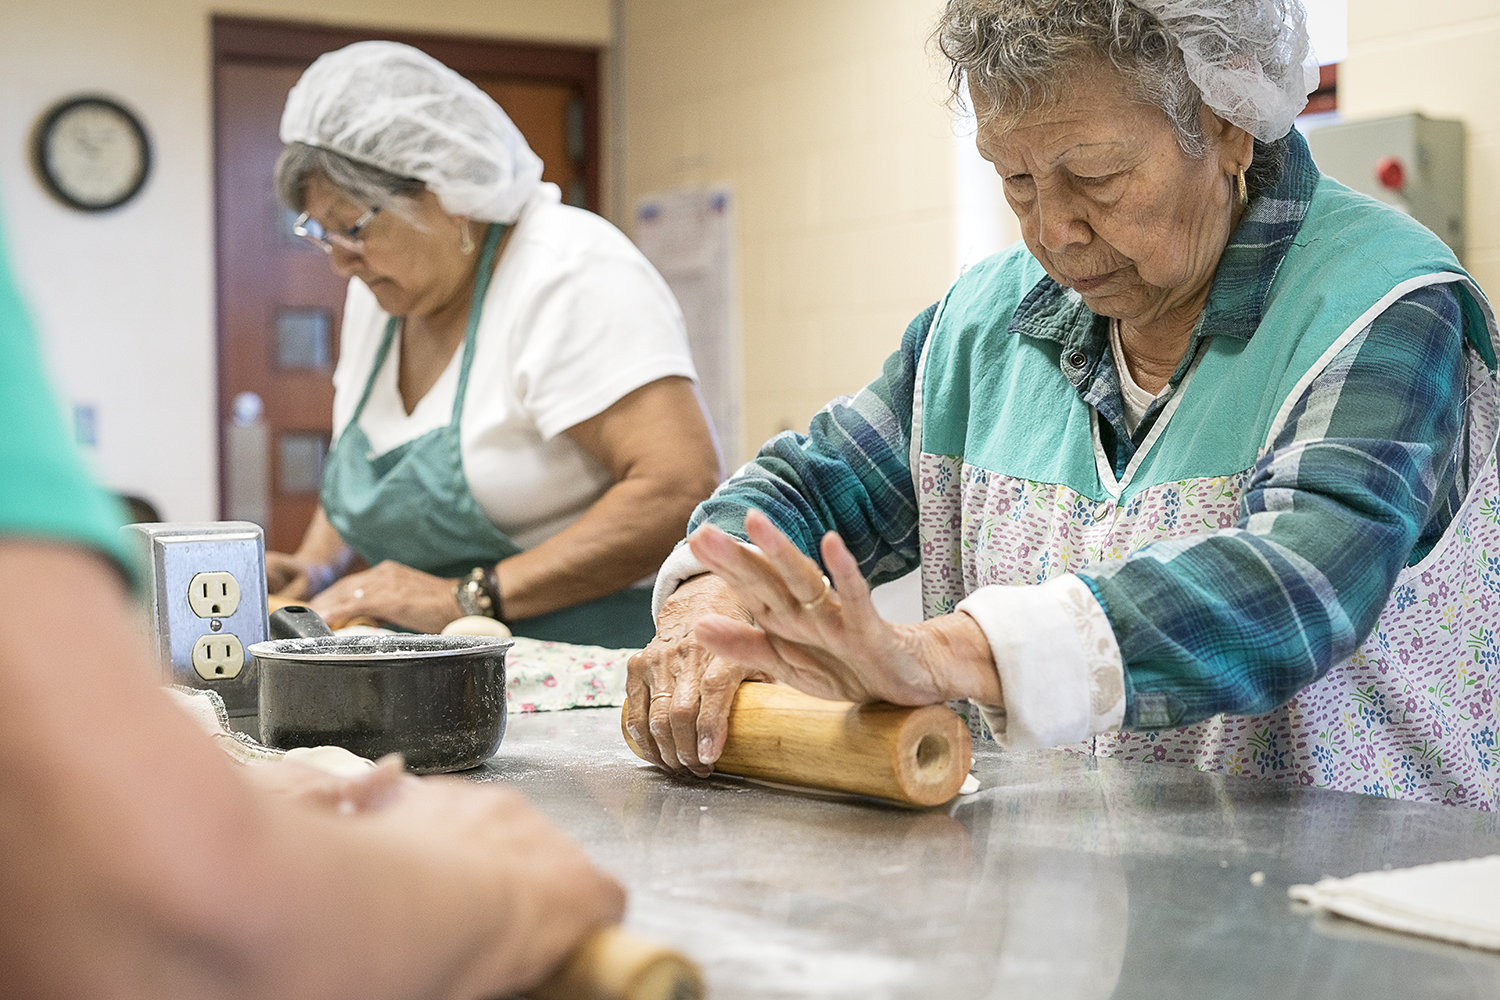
point(517, 428)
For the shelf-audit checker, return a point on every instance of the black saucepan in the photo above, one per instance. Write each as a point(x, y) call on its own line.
point(439, 700)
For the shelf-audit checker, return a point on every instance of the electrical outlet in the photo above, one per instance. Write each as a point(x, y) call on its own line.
point(218, 657)
point(214, 595)
point(201, 633)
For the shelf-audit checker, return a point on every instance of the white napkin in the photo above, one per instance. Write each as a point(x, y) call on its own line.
point(1451, 900)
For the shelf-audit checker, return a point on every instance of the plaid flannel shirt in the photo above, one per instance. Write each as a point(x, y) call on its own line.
point(1361, 482)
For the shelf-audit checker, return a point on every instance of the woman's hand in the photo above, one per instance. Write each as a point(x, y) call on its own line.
point(287, 576)
point(788, 623)
point(365, 791)
point(319, 560)
point(677, 692)
point(391, 592)
point(522, 894)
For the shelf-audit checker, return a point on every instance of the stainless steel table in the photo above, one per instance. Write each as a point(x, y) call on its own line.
point(1064, 876)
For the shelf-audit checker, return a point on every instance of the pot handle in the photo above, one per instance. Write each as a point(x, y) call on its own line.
point(297, 622)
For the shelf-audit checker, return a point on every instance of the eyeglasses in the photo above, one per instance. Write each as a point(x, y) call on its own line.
point(312, 231)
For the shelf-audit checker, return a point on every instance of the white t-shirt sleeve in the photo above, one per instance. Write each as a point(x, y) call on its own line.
point(600, 326)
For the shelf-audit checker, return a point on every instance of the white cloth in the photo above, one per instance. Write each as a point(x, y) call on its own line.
point(575, 319)
point(1451, 900)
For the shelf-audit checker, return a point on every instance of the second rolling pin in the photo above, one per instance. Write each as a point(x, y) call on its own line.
point(614, 964)
point(914, 756)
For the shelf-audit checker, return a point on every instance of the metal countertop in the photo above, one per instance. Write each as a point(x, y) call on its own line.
point(1063, 877)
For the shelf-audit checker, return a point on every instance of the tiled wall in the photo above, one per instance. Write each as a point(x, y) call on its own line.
point(1441, 58)
point(826, 119)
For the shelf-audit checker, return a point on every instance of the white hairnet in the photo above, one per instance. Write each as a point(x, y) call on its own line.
point(1251, 58)
point(397, 108)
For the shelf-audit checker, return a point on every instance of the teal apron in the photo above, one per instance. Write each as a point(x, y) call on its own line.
point(413, 504)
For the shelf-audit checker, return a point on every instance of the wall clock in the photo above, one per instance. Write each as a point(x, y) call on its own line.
point(92, 153)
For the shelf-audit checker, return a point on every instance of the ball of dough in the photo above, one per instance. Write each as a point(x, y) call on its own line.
point(334, 760)
point(476, 625)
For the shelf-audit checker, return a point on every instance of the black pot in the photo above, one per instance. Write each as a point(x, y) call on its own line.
point(438, 700)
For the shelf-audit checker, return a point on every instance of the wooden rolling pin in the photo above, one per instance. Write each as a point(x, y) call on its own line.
point(615, 964)
point(914, 756)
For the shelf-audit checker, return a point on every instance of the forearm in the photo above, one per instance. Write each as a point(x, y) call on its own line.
point(322, 545)
point(656, 446)
point(622, 537)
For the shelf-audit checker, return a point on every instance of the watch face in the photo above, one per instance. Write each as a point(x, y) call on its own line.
point(92, 153)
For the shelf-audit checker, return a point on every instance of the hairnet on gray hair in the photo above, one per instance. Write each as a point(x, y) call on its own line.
point(1248, 60)
point(365, 184)
point(393, 107)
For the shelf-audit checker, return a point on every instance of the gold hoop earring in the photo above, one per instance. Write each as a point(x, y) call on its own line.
point(466, 242)
point(1244, 189)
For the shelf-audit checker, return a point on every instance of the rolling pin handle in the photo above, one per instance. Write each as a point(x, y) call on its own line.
point(614, 964)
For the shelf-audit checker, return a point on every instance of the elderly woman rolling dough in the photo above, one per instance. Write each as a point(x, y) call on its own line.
point(1201, 473)
point(518, 432)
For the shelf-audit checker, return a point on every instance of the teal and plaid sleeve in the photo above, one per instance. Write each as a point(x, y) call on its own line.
point(45, 492)
point(1359, 484)
point(850, 473)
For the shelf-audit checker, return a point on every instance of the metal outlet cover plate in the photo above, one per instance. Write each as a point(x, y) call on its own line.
point(175, 553)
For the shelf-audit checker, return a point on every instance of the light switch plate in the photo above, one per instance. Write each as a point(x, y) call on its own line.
point(176, 553)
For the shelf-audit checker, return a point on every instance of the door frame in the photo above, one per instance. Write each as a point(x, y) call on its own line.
point(246, 39)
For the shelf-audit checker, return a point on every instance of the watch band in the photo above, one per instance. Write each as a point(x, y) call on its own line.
point(479, 593)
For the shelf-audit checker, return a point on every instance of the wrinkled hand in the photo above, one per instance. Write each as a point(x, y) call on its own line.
point(776, 617)
point(677, 692)
point(390, 592)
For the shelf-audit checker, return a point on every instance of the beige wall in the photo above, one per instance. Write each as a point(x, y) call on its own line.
point(1444, 63)
point(826, 120)
point(124, 300)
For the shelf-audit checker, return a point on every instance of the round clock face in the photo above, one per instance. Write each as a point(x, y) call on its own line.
point(92, 153)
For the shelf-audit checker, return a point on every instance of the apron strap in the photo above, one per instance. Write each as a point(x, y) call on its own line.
point(476, 305)
point(391, 326)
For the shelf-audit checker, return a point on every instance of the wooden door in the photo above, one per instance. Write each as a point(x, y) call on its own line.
point(279, 302)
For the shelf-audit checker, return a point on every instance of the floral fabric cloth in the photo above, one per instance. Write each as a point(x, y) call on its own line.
point(542, 676)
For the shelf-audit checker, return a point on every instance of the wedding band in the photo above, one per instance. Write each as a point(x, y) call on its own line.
point(661, 694)
point(822, 596)
point(359, 593)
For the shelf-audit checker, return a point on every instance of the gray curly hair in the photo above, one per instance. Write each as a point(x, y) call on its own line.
point(1019, 54)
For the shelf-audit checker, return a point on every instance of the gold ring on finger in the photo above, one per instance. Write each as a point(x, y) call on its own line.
point(822, 596)
point(661, 694)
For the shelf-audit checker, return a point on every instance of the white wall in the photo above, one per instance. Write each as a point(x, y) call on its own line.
point(1444, 64)
point(826, 119)
point(124, 300)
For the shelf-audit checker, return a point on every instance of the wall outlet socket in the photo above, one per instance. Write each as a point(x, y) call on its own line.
point(206, 604)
